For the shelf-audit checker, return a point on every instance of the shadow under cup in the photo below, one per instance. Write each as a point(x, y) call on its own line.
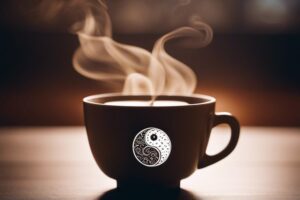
point(113, 129)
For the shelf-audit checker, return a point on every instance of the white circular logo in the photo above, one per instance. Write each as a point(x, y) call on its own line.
point(151, 147)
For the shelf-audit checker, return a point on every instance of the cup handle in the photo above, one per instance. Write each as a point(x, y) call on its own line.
point(220, 118)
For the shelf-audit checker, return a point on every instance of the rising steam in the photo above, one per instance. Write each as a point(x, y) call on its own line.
point(101, 58)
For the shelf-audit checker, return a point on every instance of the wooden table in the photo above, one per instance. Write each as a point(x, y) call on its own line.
point(56, 163)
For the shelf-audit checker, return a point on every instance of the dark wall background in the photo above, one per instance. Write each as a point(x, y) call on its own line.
point(251, 67)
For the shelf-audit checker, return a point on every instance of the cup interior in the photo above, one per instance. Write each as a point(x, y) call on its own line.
point(194, 99)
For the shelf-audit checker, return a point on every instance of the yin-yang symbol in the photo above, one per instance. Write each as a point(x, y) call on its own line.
point(151, 147)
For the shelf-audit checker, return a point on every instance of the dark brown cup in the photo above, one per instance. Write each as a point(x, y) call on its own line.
point(112, 129)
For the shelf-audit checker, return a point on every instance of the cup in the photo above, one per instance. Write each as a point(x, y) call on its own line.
point(153, 146)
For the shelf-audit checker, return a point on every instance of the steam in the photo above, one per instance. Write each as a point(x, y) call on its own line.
point(101, 58)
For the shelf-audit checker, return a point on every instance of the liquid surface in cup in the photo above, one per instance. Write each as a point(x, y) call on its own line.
point(156, 103)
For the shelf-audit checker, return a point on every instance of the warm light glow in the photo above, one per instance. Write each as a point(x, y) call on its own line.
point(270, 12)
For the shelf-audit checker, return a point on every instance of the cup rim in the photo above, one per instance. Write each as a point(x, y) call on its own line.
point(208, 100)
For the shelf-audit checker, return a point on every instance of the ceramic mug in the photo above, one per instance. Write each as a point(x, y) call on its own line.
point(147, 146)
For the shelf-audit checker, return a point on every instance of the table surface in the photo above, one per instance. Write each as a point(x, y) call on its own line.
point(56, 163)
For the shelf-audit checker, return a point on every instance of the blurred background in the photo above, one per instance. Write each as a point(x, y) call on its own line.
point(251, 67)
